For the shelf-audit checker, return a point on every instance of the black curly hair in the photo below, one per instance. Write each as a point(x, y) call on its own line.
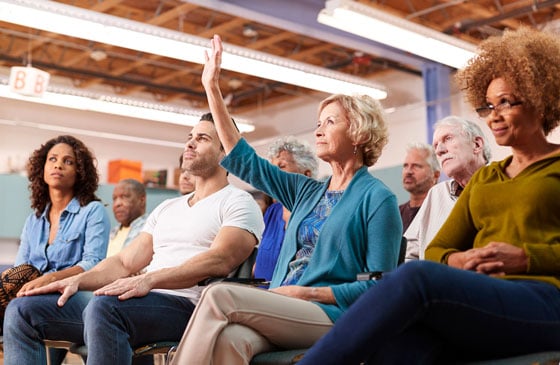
point(87, 178)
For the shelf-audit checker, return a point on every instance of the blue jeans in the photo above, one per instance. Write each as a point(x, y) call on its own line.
point(424, 313)
point(29, 320)
point(111, 328)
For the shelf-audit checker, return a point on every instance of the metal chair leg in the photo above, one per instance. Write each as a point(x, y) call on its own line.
point(170, 354)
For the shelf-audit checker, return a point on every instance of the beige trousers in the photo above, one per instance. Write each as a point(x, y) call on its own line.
point(234, 322)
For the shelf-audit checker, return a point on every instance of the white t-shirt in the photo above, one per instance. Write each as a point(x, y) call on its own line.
point(180, 232)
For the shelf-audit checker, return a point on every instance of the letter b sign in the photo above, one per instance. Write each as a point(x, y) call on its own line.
point(28, 81)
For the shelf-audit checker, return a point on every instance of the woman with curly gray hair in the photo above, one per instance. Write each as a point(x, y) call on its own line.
point(493, 290)
point(293, 155)
point(290, 155)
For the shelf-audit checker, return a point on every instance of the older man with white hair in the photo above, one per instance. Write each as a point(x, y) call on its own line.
point(461, 149)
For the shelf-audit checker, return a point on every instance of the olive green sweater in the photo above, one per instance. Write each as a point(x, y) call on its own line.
point(523, 211)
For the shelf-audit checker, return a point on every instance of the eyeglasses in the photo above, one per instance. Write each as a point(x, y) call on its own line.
point(505, 105)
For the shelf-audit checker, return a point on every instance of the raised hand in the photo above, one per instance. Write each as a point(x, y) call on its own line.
point(213, 61)
point(227, 131)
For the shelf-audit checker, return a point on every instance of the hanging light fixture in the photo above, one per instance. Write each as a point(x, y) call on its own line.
point(382, 27)
point(86, 24)
point(116, 105)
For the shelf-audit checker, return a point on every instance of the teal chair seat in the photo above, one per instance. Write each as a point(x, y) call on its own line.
point(286, 357)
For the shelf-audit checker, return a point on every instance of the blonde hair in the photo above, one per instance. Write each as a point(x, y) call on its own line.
point(368, 128)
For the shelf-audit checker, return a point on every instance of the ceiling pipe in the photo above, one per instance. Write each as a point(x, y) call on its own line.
point(465, 26)
point(80, 72)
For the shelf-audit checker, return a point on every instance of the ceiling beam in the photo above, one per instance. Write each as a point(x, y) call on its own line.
point(300, 16)
point(506, 16)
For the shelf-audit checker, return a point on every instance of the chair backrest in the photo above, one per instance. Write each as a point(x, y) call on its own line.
point(243, 273)
point(245, 270)
point(402, 250)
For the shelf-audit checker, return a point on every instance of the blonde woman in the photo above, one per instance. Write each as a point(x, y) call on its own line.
point(343, 225)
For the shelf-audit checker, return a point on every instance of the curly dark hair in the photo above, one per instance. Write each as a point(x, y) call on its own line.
point(529, 61)
point(87, 179)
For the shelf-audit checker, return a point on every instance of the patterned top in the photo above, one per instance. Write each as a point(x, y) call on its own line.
point(455, 189)
point(308, 233)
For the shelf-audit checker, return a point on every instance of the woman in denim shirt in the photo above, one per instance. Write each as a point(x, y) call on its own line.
point(68, 231)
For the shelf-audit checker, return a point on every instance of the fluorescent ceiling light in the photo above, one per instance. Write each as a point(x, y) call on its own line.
point(89, 132)
point(126, 107)
point(367, 22)
point(81, 23)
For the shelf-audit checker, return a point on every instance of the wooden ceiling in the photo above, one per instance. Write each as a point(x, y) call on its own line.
point(88, 64)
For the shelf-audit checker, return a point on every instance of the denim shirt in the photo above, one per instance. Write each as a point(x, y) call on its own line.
point(82, 238)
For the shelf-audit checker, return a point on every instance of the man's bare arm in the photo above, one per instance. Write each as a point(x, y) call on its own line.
point(130, 260)
point(230, 248)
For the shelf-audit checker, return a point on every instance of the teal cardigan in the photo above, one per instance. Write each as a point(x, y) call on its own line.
point(363, 232)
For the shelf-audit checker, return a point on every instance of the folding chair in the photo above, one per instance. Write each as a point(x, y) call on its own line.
point(162, 350)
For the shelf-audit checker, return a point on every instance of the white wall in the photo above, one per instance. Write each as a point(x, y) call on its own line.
point(8, 251)
point(23, 128)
